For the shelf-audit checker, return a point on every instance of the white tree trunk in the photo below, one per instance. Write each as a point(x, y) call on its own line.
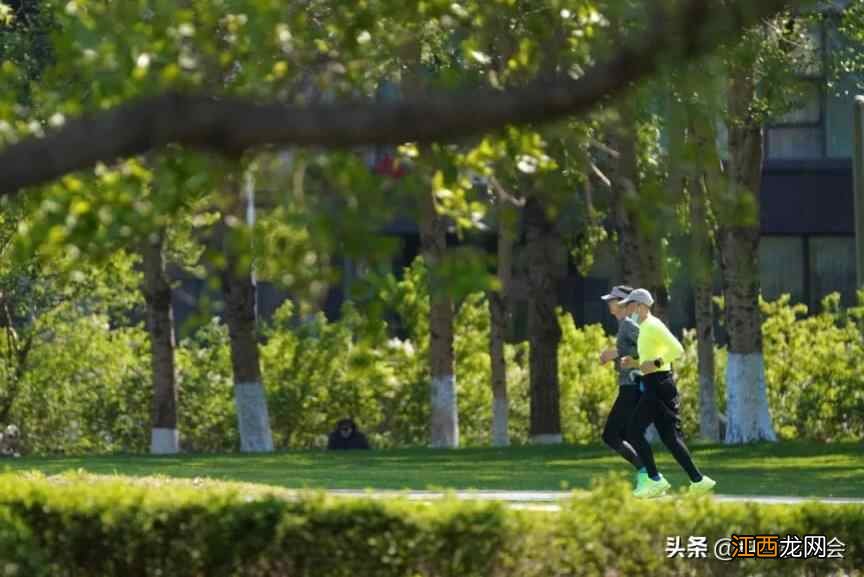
point(239, 291)
point(445, 415)
point(499, 315)
point(749, 419)
point(252, 418)
point(160, 328)
point(500, 400)
point(550, 439)
point(164, 441)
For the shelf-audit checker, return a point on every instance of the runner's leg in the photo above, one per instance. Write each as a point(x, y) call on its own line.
point(643, 416)
point(614, 433)
point(668, 424)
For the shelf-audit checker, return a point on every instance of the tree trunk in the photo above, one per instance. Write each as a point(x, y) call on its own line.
point(703, 140)
point(444, 418)
point(747, 405)
point(639, 255)
point(624, 203)
point(239, 291)
point(653, 273)
point(164, 438)
point(500, 403)
point(499, 309)
point(18, 354)
point(544, 248)
point(709, 420)
point(701, 260)
point(746, 399)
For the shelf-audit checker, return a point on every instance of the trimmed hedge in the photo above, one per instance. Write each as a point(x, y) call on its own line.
point(89, 526)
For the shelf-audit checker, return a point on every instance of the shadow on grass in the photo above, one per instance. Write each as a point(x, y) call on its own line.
point(797, 469)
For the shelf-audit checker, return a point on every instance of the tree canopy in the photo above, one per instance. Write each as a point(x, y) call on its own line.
point(225, 75)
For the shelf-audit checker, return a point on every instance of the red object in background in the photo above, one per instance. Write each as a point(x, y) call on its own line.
point(387, 165)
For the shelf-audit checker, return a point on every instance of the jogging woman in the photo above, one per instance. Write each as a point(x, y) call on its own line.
point(659, 403)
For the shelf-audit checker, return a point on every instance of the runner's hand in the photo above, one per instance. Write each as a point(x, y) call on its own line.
point(629, 363)
point(608, 355)
point(648, 368)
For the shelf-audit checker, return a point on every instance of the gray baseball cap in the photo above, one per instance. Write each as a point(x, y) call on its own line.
point(618, 292)
point(639, 296)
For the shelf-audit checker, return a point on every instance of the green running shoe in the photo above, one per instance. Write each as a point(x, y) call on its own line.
point(702, 487)
point(641, 476)
point(651, 488)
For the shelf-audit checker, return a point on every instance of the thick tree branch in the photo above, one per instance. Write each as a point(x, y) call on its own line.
point(231, 125)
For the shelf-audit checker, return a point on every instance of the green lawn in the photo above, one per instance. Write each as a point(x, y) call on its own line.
point(789, 469)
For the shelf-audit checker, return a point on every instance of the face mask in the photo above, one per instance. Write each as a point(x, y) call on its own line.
point(634, 317)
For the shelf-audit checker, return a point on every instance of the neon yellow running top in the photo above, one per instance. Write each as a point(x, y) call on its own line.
point(657, 341)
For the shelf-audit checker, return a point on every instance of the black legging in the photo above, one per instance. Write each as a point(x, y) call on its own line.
point(615, 430)
point(659, 405)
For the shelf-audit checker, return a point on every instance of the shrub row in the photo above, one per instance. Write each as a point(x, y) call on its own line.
point(88, 527)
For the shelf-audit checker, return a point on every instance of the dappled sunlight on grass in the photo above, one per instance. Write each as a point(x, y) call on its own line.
point(795, 469)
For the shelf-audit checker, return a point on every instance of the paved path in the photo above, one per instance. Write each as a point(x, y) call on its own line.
point(550, 500)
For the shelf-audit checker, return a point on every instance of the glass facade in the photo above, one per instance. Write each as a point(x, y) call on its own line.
point(811, 266)
point(808, 268)
point(832, 268)
point(800, 132)
point(821, 126)
point(781, 267)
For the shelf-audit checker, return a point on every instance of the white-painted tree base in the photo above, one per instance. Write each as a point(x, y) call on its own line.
point(164, 441)
point(500, 426)
point(556, 439)
point(252, 418)
point(748, 417)
point(445, 413)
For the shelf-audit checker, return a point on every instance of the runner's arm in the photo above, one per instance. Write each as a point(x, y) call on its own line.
point(672, 347)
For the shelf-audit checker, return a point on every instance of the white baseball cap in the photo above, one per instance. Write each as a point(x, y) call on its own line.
point(639, 296)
